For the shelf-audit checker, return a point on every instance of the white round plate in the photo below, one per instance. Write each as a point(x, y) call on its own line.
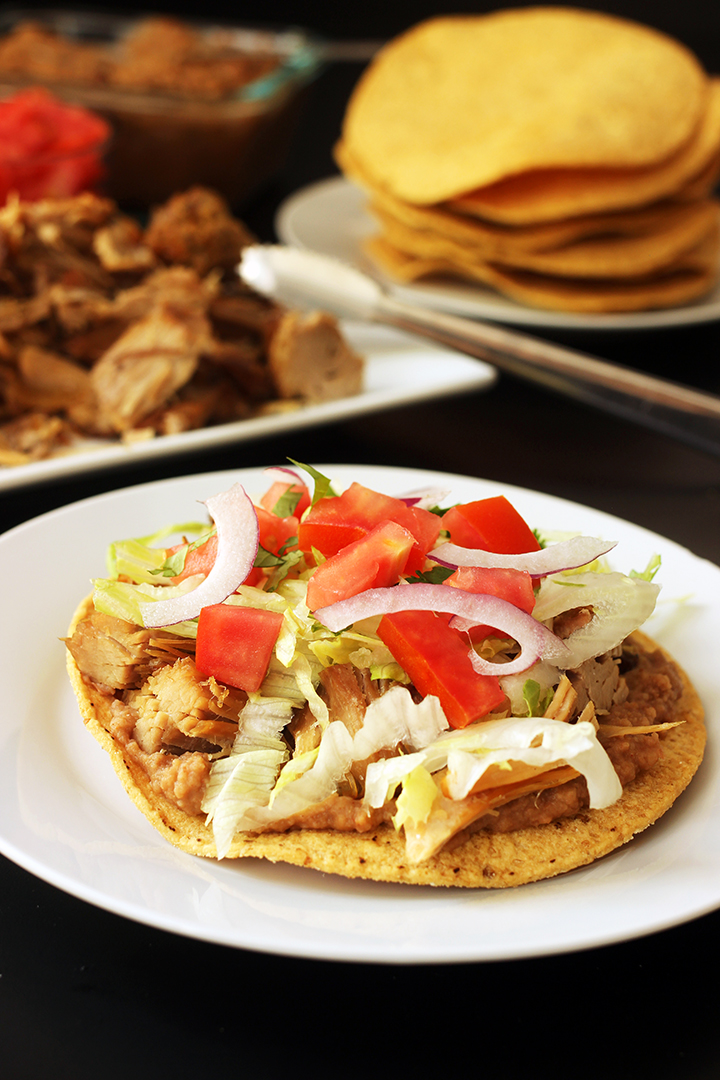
point(66, 819)
point(330, 217)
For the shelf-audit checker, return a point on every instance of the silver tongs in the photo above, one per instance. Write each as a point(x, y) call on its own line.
point(306, 279)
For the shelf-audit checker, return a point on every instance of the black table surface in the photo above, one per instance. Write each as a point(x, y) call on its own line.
point(87, 993)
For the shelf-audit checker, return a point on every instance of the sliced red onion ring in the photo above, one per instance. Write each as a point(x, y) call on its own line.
point(237, 532)
point(425, 498)
point(285, 475)
point(565, 555)
point(471, 609)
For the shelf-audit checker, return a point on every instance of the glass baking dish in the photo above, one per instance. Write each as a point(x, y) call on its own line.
point(177, 128)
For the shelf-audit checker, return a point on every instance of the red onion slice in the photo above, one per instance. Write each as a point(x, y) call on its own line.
point(425, 498)
point(237, 532)
point(565, 555)
point(283, 474)
point(470, 609)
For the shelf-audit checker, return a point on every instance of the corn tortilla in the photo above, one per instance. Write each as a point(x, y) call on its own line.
point(481, 861)
point(552, 196)
point(461, 102)
point(607, 255)
point(497, 239)
point(691, 278)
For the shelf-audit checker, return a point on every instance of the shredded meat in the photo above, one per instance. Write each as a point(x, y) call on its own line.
point(110, 330)
point(159, 55)
point(176, 707)
point(110, 651)
point(345, 697)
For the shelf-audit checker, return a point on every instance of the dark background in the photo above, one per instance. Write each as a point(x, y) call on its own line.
point(87, 994)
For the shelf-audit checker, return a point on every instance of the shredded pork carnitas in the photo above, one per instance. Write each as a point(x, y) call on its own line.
point(111, 331)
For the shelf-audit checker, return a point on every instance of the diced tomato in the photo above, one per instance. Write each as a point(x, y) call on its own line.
point(48, 148)
point(199, 560)
point(279, 488)
point(338, 520)
point(491, 524)
point(515, 586)
point(436, 658)
point(235, 644)
point(275, 532)
point(377, 560)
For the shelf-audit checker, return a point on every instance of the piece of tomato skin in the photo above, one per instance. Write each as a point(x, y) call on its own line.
point(235, 644)
point(377, 560)
point(515, 586)
point(492, 524)
point(338, 520)
point(279, 488)
point(436, 659)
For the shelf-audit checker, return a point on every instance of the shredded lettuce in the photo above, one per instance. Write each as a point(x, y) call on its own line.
point(468, 753)
point(246, 777)
point(650, 570)
point(140, 559)
point(123, 599)
point(620, 605)
point(417, 798)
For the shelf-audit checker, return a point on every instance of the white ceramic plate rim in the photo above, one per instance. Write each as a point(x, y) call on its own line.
point(399, 370)
point(329, 216)
point(66, 819)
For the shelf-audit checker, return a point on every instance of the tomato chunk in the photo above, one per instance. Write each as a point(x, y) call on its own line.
point(235, 644)
point(338, 520)
point(377, 560)
point(436, 658)
point(491, 524)
point(199, 560)
point(280, 490)
point(515, 586)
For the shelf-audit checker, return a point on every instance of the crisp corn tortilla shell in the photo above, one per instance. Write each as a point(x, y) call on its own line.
point(550, 194)
point(481, 861)
point(460, 102)
point(497, 240)
point(691, 278)
point(603, 256)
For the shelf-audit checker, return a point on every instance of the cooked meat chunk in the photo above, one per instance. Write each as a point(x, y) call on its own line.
point(32, 437)
point(121, 246)
point(195, 228)
point(598, 680)
point(147, 364)
point(110, 651)
point(567, 622)
point(346, 700)
point(175, 708)
point(309, 359)
point(52, 383)
point(180, 778)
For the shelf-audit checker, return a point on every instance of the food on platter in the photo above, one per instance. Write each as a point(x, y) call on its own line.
point(541, 152)
point(114, 332)
point(155, 54)
point(387, 686)
point(189, 102)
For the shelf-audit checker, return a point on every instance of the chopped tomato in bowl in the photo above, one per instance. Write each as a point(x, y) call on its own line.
point(48, 148)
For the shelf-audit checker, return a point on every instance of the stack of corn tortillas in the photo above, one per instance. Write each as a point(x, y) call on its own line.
point(565, 158)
